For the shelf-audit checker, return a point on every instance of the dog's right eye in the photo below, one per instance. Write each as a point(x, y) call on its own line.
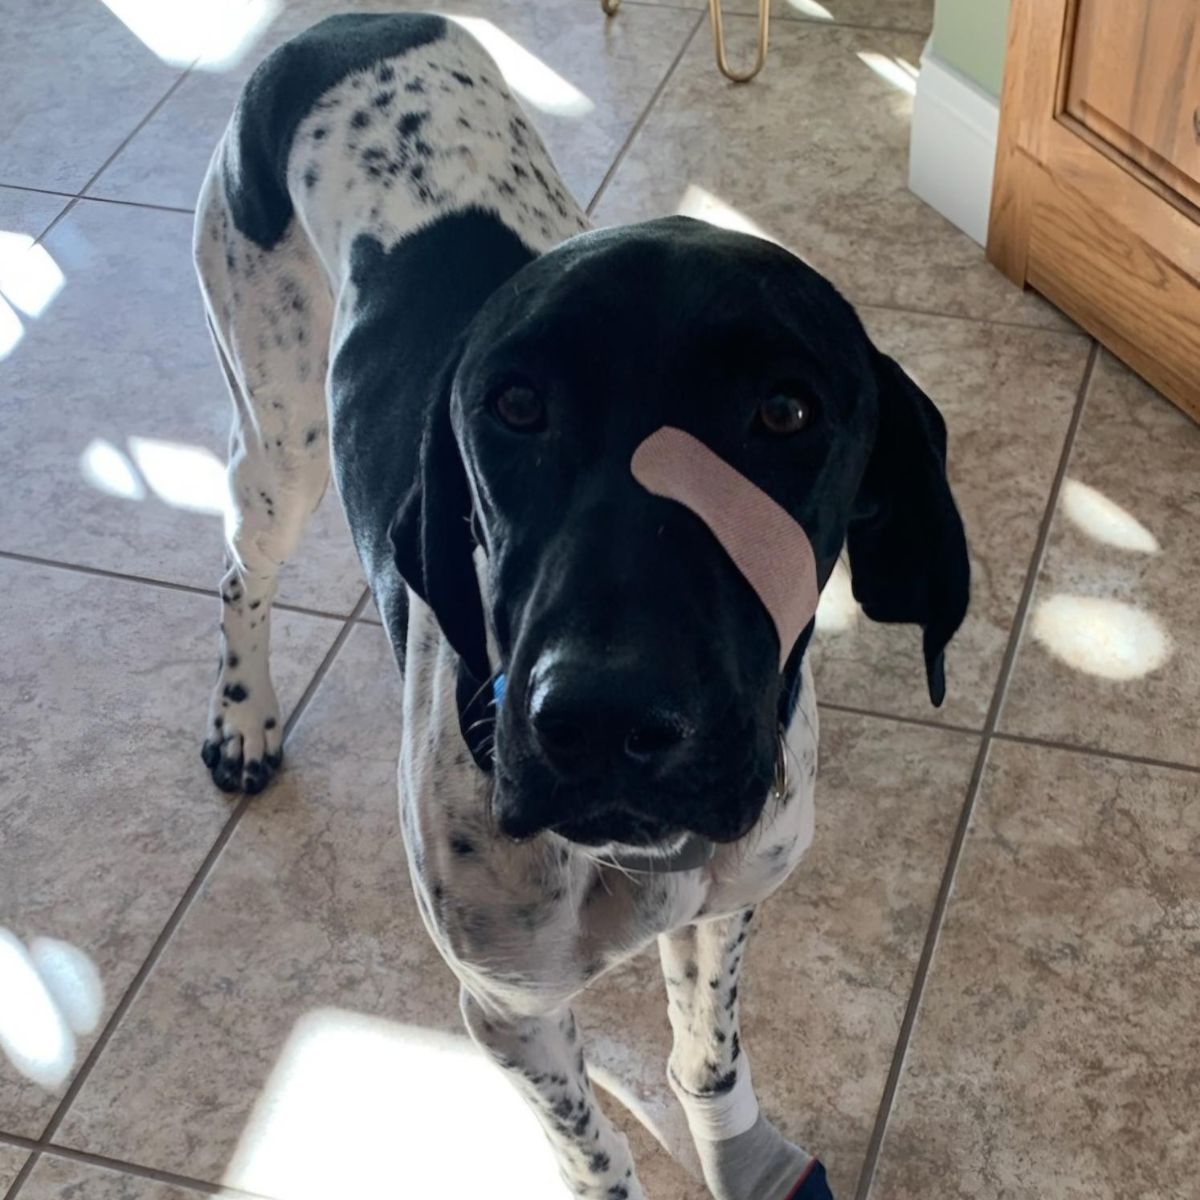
point(520, 408)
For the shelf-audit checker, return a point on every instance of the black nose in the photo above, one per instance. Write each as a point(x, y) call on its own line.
point(590, 719)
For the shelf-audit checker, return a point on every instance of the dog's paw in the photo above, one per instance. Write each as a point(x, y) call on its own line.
point(244, 746)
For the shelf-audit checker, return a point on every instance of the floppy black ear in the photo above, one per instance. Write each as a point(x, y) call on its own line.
point(908, 553)
point(433, 544)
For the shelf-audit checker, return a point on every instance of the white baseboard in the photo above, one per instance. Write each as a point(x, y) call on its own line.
point(952, 151)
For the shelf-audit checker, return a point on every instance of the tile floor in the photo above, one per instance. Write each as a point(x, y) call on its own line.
point(984, 982)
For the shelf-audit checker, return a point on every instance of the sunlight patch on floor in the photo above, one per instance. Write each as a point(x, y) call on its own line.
point(217, 32)
point(810, 8)
point(704, 206)
point(50, 993)
point(359, 1106)
point(1104, 520)
point(1102, 637)
point(533, 80)
point(900, 73)
point(29, 281)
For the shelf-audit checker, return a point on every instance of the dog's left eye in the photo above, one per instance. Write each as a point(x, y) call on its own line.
point(782, 414)
point(520, 408)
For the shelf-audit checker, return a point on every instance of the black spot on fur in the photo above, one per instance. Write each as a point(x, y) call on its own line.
point(410, 123)
point(599, 1163)
point(691, 972)
point(232, 660)
point(311, 436)
point(311, 176)
point(235, 692)
point(415, 86)
point(386, 73)
point(255, 603)
point(618, 1191)
point(383, 99)
point(462, 845)
point(737, 1047)
point(270, 723)
point(720, 1086)
point(361, 119)
point(465, 80)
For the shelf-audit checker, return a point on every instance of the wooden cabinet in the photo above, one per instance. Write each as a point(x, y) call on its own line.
point(1096, 201)
point(1134, 81)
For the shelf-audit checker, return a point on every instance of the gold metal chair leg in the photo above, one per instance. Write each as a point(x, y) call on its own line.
point(718, 32)
point(610, 7)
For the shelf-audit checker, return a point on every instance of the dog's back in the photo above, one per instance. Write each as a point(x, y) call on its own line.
point(376, 183)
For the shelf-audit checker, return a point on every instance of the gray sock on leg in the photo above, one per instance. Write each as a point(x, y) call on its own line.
point(760, 1164)
point(743, 1155)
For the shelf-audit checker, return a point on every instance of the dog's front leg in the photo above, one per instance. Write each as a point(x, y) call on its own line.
point(744, 1156)
point(543, 1057)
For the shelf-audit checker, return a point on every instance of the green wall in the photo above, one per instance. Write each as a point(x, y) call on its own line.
point(969, 36)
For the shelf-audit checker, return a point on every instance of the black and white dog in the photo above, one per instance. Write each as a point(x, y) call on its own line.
point(595, 715)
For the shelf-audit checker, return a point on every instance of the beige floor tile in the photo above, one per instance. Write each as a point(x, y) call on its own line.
point(28, 213)
point(1056, 1050)
point(105, 810)
point(1111, 655)
point(62, 119)
point(1007, 396)
point(830, 964)
point(62, 1179)
point(814, 153)
point(603, 77)
point(116, 418)
point(309, 909)
point(12, 1159)
point(312, 893)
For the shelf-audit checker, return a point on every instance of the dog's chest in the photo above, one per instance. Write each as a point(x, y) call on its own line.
point(544, 918)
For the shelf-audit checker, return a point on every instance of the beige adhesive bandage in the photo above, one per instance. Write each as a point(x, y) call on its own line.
point(770, 549)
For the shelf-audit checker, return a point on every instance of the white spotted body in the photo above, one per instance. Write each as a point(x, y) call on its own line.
point(383, 152)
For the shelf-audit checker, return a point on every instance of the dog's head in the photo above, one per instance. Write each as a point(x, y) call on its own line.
point(642, 665)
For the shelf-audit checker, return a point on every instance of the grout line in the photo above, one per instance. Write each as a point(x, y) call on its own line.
point(17, 187)
point(1023, 739)
point(158, 1175)
point(619, 157)
point(175, 919)
point(882, 306)
point(166, 584)
point(82, 193)
point(923, 722)
point(172, 208)
point(323, 669)
point(41, 191)
point(958, 842)
point(1141, 760)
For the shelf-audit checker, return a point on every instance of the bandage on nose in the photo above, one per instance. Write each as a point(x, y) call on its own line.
point(767, 546)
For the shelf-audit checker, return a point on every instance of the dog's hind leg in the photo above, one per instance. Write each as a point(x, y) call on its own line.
point(544, 1058)
point(270, 312)
point(744, 1156)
